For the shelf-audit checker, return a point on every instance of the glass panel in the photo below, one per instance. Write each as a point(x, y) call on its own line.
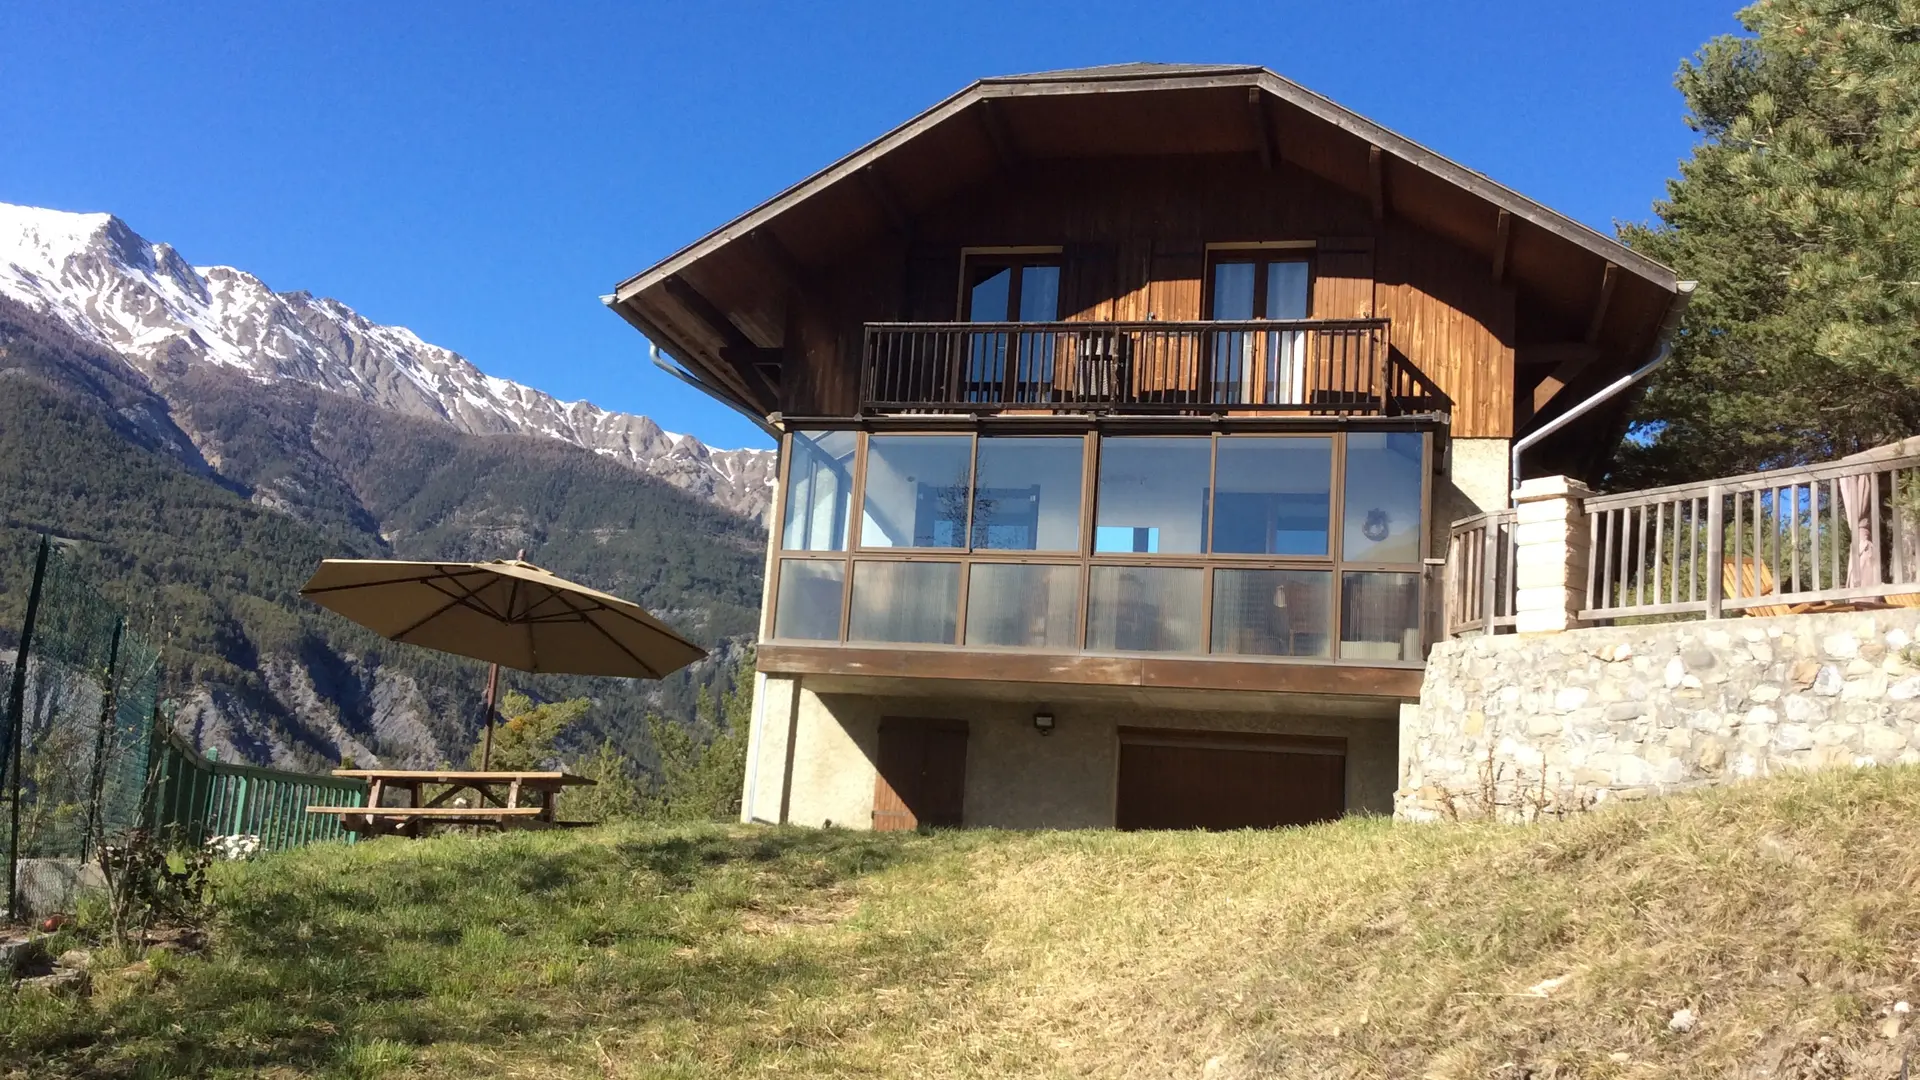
point(807, 607)
point(1039, 302)
point(1285, 382)
point(1023, 605)
point(819, 491)
point(1287, 290)
point(1382, 520)
point(1272, 612)
point(1144, 609)
point(1152, 495)
point(989, 293)
point(1039, 293)
point(900, 601)
point(1027, 494)
point(989, 299)
point(1379, 616)
point(1233, 360)
point(916, 491)
point(1273, 495)
point(1233, 290)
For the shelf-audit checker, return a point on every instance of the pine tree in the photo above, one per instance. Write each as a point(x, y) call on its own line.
point(1799, 214)
point(525, 739)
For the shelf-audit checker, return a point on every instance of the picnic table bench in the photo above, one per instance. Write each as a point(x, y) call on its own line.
point(499, 800)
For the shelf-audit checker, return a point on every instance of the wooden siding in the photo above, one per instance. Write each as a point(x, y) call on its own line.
point(1134, 235)
point(1343, 278)
point(1450, 321)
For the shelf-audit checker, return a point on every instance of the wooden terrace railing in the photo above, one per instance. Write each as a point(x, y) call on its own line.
point(1770, 543)
point(1818, 537)
point(1312, 366)
point(1479, 580)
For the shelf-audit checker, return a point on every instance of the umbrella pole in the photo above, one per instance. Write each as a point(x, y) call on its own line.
point(493, 687)
point(486, 740)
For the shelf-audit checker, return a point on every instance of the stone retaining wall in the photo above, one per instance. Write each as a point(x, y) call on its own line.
point(1518, 725)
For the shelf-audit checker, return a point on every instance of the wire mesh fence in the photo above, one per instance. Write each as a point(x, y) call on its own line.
point(87, 756)
point(82, 692)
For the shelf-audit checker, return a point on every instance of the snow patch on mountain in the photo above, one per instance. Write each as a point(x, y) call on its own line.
point(142, 299)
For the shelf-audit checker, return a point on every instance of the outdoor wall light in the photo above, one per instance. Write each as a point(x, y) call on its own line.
point(1043, 723)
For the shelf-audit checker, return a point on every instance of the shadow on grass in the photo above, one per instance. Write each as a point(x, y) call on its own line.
point(480, 942)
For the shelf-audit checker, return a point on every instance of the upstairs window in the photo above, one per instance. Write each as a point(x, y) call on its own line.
point(1012, 288)
point(1009, 365)
point(1258, 367)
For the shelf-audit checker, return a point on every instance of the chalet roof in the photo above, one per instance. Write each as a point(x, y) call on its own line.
point(1134, 70)
point(1130, 109)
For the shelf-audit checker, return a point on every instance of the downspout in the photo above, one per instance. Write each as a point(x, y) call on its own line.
point(1663, 348)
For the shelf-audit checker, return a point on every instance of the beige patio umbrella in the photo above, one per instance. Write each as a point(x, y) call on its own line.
point(507, 612)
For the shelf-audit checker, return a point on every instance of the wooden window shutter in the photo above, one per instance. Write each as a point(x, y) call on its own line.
point(1343, 278)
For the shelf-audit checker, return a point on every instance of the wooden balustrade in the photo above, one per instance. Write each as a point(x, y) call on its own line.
point(1311, 366)
point(1820, 537)
point(1479, 581)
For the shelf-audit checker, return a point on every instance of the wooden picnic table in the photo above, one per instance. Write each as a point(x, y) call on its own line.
point(499, 800)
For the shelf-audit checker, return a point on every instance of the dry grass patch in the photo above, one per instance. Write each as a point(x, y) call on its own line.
point(1784, 915)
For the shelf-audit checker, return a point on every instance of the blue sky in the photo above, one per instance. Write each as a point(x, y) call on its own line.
point(482, 172)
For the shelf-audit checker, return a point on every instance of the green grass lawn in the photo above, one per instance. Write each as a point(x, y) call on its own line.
point(1784, 913)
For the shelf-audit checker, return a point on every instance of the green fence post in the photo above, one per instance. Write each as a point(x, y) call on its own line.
point(16, 706)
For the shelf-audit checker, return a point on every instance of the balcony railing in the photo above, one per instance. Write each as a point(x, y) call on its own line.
point(1311, 366)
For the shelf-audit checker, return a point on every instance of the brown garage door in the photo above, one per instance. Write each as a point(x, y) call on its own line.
point(1207, 780)
point(922, 776)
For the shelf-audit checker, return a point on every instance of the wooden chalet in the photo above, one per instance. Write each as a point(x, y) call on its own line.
point(1123, 412)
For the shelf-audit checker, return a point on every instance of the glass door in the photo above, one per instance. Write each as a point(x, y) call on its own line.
point(1248, 366)
point(1009, 365)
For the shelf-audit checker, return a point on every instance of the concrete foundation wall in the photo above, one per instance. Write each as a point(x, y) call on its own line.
point(1016, 777)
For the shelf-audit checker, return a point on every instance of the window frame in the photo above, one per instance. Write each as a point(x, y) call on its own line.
point(1092, 441)
point(1016, 259)
point(1259, 254)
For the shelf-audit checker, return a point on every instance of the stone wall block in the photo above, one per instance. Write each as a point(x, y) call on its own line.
point(1627, 712)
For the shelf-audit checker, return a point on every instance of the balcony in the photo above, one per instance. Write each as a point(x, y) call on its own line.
point(1313, 367)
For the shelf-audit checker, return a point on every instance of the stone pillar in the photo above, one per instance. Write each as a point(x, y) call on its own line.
point(1550, 561)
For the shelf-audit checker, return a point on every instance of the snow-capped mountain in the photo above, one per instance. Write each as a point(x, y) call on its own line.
point(146, 302)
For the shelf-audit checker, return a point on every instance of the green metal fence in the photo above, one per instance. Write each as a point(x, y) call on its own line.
point(204, 798)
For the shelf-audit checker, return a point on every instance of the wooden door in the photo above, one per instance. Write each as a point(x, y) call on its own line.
point(922, 776)
point(1207, 780)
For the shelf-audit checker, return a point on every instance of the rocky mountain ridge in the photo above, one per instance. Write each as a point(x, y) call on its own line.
point(147, 303)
